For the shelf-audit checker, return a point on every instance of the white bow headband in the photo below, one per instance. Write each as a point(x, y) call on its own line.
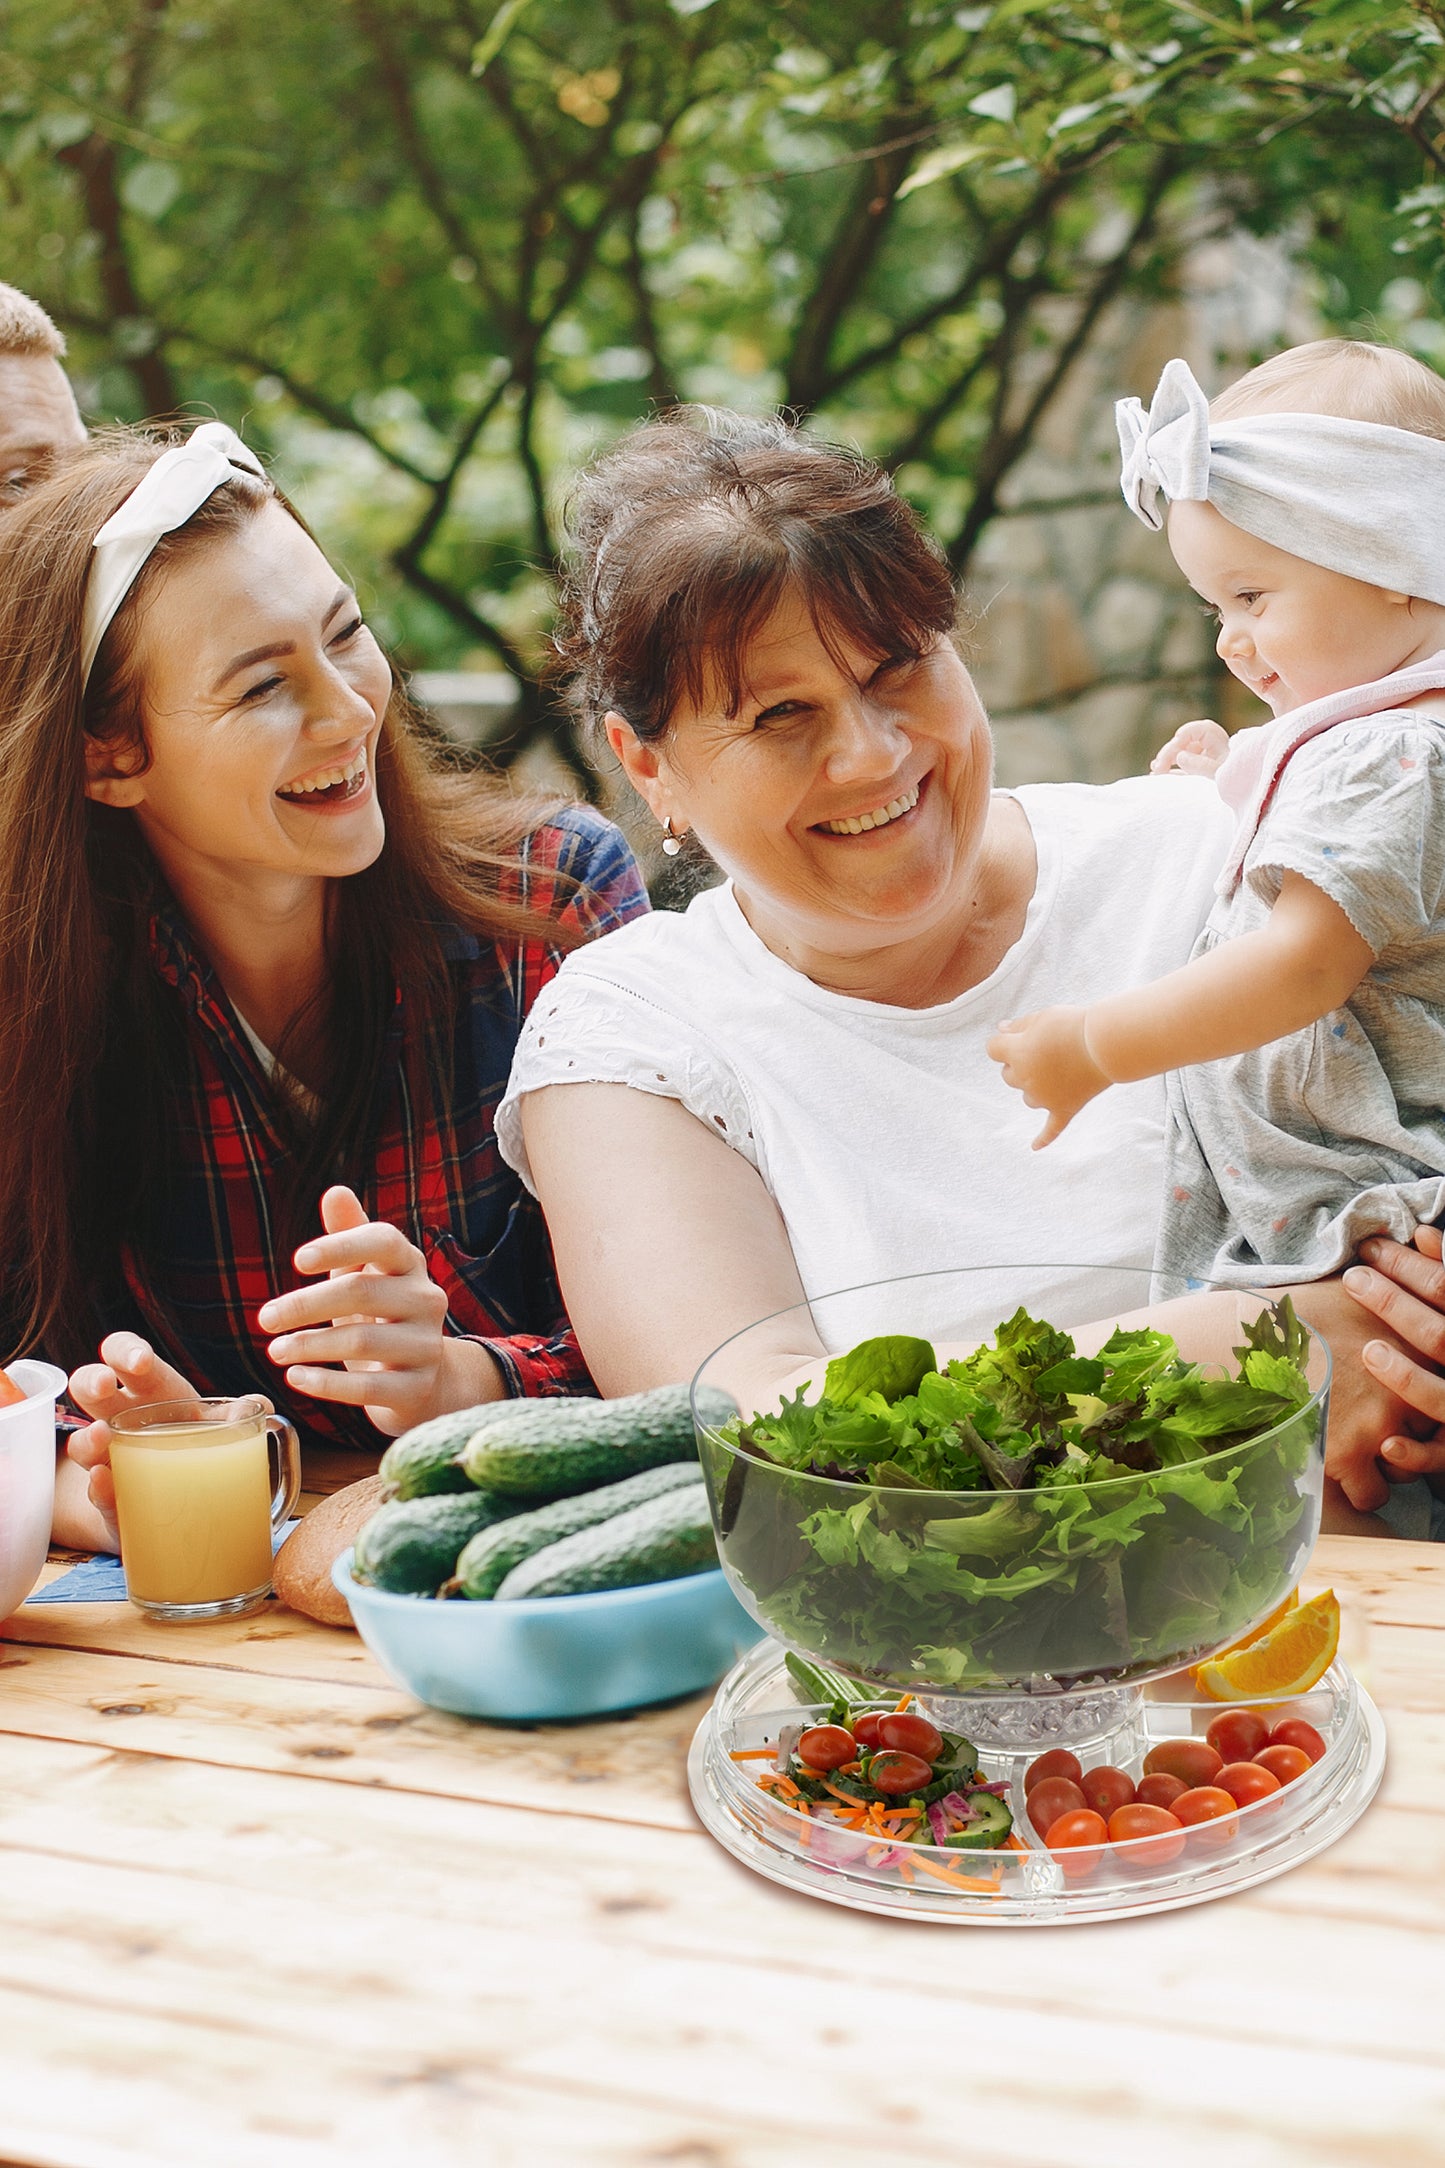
point(170, 493)
point(1357, 497)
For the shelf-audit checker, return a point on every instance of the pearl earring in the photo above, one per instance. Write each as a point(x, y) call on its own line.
point(671, 844)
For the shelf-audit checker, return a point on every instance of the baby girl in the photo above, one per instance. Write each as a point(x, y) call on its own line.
point(1305, 1039)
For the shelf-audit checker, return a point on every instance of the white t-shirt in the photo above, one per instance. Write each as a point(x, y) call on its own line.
point(886, 1135)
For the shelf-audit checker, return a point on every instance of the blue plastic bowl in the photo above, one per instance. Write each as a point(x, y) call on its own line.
point(553, 1656)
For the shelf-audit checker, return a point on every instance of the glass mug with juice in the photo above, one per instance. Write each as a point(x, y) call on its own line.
point(196, 1505)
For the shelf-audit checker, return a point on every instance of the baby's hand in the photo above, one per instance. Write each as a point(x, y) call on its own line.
point(1195, 749)
point(1045, 1057)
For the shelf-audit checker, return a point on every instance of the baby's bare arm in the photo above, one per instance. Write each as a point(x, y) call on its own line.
point(1294, 970)
point(1307, 960)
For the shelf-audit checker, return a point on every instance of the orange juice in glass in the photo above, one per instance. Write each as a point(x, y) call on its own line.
point(196, 1504)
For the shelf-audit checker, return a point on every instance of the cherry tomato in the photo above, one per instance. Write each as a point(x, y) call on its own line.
point(1069, 1832)
point(1056, 1763)
point(827, 1746)
point(1237, 1735)
point(1294, 1731)
point(1055, 1796)
point(1160, 1790)
point(865, 1728)
point(898, 1773)
point(1152, 1835)
point(1246, 1781)
point(1108, 1788)
point(911, 1735)
point(1211, 1805)
point(1195, 1760)
point(1284, 1762)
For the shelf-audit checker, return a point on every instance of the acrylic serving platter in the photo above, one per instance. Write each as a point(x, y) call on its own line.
point(1029, 1888)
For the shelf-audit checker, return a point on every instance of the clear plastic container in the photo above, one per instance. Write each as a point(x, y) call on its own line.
point(1029, 1886)
point(27, 1479)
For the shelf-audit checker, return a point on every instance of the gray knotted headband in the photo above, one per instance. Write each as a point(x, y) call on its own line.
point(1359, 498)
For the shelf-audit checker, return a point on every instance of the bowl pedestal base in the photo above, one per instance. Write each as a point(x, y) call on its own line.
point(1029, 1887)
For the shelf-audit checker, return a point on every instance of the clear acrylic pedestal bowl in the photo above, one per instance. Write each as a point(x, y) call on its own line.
point(1037, 1639)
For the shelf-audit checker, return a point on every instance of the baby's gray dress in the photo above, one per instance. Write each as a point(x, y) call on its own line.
point(1282, 1160)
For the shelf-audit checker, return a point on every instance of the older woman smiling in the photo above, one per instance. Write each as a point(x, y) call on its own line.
point(784, 1089)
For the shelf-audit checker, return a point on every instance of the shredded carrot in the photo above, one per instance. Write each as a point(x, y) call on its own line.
point(846, 1797)
point(1014, 1843)
point(851, 1769)
point(753, 1753)
point(972, 1883)
point(906, 1867)
point(775, 1777)
point(905, 1703)
point(901, 1814)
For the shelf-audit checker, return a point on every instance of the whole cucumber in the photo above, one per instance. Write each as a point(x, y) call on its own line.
point(410, 1546)
point(663, 1540)
point(494, 1551)
point(555, 1448)
point(426, 1460)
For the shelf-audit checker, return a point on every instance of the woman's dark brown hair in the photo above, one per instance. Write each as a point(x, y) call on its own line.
point(90, 1039)
point(688, 534)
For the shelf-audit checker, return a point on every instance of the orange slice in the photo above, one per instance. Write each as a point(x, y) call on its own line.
point(10, 1393)
point(1256, 1633)
point(1288, 1660)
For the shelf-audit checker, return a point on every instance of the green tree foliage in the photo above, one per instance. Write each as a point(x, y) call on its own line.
point(433, 252)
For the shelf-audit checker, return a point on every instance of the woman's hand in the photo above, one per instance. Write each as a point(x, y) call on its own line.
point(1195, 749)
point(1045, 1057)
point(1386, 1402)
point(382, 1318)
point(129, 1374)
point(1405, 1289)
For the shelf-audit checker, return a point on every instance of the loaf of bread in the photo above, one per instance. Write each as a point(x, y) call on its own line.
point(302, 1572)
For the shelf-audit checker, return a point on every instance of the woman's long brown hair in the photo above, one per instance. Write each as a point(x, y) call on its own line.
point(91, 1040)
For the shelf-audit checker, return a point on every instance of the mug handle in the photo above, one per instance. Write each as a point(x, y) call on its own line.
point(288, 1464)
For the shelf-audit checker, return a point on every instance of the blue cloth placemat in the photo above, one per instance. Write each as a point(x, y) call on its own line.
point(102, 1579)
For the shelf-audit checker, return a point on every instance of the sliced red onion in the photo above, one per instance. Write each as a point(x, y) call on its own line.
point(938, 1821)
point(962, 1810)
point(1000, 1791)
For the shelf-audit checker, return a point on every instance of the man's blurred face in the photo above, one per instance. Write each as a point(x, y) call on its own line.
point(38, 419)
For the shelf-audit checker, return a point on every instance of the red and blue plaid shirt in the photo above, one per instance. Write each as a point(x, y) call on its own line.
point(438, 1176)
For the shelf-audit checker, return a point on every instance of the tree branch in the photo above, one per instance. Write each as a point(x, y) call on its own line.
point(93, 161)
point(316, 402)
point(396, 84)
point(660, 388)
point(856, 244)
point(991, 264)
point(1005, 446)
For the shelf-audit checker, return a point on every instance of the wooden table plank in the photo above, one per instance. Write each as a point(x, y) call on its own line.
point(282, 1916)
point(351, 1734)
point(369, 1986)
point(480, 1870)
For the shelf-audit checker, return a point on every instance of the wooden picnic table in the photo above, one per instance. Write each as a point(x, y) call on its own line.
point(259, 1909)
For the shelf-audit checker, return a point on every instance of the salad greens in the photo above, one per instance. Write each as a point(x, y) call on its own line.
point(1113, 1515)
